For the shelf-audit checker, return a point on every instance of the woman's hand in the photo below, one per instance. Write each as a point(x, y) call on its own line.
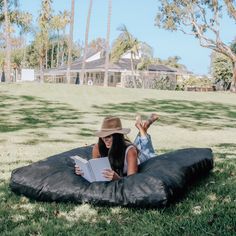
point(110, 174)
point(78, 170)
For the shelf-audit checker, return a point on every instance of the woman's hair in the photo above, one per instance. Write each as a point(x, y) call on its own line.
point(116, 153)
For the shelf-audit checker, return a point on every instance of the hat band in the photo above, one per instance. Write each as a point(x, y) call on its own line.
point(111, 129)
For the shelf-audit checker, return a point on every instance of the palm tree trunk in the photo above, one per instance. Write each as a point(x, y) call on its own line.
point(62, 54)
point(8, 46)
point(58, 48)
point(41, 69)
point(52, 54)
point(86, 41)
point(46, 58)
point(70, 41)
point(106, 77)
point(24, 53)
point(132, 69)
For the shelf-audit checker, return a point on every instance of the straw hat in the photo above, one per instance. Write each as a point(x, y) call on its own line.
point(111, 125)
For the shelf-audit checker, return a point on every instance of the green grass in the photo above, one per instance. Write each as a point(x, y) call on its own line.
point(39, 120)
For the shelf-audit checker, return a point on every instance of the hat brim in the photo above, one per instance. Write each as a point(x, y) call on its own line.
point(103, 133)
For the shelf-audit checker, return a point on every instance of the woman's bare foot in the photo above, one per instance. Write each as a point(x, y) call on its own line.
point(138, 121)
point(153, 117)
point(139, 125)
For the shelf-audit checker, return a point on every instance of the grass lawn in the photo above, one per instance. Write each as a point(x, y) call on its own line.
point(39, 120)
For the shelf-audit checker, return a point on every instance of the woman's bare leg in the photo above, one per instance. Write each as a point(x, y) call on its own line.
point(143, 140)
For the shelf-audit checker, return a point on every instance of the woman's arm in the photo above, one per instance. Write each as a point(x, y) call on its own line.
point(95, 152)
point(132, 161)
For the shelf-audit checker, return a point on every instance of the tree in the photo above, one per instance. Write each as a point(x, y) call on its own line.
point(42, 37)
point(201, 19)
point(86, 41)
point(146, 52)
point(126, 43)
point(98, 44)
point(107, 44)
point(70, 41)
point(173, 62)
point(233, 46)
point(58, 23)
point(7, 39)
point(16, 19)
point(32, 56)
point(144, 63)
point(25, 20)
point(221, 68)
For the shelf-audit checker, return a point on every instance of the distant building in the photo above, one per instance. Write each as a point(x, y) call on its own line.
point(119, 73)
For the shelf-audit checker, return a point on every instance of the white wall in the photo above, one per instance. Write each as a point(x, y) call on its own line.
point(27, 75)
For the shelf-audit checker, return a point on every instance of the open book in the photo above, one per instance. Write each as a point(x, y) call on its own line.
point(93, 168)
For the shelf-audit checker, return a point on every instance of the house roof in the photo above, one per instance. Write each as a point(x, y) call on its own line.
point(122, 65)
point(97, 63)
point(160, 68)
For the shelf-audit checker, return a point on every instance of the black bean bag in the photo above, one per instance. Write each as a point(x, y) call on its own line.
point(160, 180)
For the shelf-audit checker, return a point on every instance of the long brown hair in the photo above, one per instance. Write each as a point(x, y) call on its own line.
point(116, 153)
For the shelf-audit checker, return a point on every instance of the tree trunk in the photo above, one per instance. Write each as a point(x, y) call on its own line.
point(106, 77)
point(46, 58)
point(62, 55)
point(70, 41)
point(52, 54)
point(24, 52)
point(86, 41)
point(41, 69)
point(233, 83)
point(132, 69)
point(58, 48)
point(8, 46)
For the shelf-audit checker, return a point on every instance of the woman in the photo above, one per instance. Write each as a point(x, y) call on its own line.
point(124, 156)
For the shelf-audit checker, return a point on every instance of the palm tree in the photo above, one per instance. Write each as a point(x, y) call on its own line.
point(58, 23)
point(25, 29)
point(52, 42)
point(42, 38)
point(13, 16)
point(126, 43)
point(70, 41)
point(107, 44)
point(86, 41)
point(55, 25)
point(97, 44)
point(8, 45)
point(5, 4)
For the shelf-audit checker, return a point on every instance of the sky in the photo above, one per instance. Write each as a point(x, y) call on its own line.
point(139, 18)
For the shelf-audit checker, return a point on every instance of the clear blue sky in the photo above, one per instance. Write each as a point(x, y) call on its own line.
point(138, 16)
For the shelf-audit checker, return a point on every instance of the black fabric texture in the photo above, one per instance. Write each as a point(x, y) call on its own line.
point(160, 180)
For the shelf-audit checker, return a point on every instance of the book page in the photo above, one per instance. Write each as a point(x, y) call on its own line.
point(98, 165)
point(85, 168)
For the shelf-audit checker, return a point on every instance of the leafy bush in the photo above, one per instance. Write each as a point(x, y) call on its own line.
point(163, 82)
point(221, 71)
point(194, 81)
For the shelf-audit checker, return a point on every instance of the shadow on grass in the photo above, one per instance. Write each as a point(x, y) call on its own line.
point(86, 132)
point(15, 162)
point(27, 112)
point(37, 141)
point(185, 114)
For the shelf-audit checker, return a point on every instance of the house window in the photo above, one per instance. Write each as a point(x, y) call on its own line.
point(117, 77)
point(112, 79)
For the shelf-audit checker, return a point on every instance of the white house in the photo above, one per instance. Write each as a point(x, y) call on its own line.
point(119, 73)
